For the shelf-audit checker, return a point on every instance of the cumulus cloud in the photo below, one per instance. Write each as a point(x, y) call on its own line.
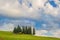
point(51, 33)
point(7, 27)
point(14, 9)
point(51, 29)
point(55, 33)
point(41, 32)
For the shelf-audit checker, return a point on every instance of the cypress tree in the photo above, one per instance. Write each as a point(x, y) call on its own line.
point(19, 29)
point(22, 29)
point(29, 30)
point(26, 31)
point(33, 31)
point(15, 30)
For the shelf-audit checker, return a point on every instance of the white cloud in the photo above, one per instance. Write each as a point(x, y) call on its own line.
point(12, 8)
point(51, 29)
point(56, 33)
point(23, 22)
point(52, 33)
point(38, 3)
point(49, 9)
point(7, 27)
point(41, 32)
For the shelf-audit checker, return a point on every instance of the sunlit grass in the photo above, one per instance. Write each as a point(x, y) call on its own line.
point(12, 36)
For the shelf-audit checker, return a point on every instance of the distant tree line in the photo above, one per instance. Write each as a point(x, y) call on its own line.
point(24, 30)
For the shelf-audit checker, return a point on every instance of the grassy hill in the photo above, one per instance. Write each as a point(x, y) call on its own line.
point(10, 36)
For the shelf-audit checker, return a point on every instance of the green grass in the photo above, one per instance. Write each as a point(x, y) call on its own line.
point(11, 36)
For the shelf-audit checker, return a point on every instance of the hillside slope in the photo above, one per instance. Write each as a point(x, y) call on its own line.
point(11, 36)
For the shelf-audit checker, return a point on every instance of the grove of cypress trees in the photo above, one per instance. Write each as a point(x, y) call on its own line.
point(24, 29)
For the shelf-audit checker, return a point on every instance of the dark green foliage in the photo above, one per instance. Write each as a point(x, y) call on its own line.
point(33, 31)
point(15, 30)
point(29, 30)
point(19, 29)
point(24, 29)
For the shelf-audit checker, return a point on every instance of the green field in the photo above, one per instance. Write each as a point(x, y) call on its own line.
point(11, 36)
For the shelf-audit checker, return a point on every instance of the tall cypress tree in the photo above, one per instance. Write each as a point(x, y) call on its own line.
point(26, 29)
point(19, 29)
point(22, 29)
point(33, 31)
point(15, 30)
point(29, 30)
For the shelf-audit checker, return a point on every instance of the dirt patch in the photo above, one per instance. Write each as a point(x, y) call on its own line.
point(1, 38)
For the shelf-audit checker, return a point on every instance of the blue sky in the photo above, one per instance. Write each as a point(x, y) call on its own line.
point(42, 14)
